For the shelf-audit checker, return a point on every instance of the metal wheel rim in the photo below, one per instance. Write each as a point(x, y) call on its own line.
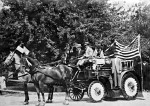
point(97, 91)
point(131, 87)
point(76, 96)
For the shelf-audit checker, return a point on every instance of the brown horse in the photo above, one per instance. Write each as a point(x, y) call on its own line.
point(48, 75)
point(24, 75)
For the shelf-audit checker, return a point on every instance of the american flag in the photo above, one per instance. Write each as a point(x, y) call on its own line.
point(127, 52)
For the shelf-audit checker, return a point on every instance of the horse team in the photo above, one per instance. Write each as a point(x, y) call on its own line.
point(32, 71)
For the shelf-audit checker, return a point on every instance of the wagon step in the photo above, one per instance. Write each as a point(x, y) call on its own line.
point(114, 93)
point(140, 94)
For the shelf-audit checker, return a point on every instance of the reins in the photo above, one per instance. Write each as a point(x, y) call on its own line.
point(34, 72)
point(35, 69)
point(16, 72)
point(18, 76)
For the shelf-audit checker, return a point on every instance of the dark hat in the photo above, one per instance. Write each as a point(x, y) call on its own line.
point(12, 48)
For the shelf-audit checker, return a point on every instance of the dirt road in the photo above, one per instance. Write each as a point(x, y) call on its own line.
point(16, 99)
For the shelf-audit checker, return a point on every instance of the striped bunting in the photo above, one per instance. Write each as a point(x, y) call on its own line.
point(118, 46)
point(128, 52)
point(115, 47)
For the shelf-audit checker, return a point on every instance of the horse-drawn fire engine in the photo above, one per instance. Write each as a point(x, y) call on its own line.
point(98, 79)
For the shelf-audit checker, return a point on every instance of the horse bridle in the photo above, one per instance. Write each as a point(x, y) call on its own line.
point(11, 57)
point(16, 64)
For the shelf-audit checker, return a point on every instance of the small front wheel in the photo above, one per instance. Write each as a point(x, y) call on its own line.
point(96, 91)
point(76, 94)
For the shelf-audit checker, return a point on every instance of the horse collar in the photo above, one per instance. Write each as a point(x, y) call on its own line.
point(34, 70)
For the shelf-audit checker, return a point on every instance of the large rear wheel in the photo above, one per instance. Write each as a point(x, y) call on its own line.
point(130, 86)
point(96, 91)
point(76, 94)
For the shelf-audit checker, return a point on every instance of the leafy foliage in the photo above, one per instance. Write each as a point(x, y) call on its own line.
point(140, 25)
point(48, 26)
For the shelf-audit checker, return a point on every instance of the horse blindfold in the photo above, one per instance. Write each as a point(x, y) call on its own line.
point(29, 64)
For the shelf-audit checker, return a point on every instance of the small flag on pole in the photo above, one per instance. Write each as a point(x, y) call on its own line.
point(26, 51)
point(23, 50)
point(20, 49)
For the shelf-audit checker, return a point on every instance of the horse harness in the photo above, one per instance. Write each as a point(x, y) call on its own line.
point(36, 70)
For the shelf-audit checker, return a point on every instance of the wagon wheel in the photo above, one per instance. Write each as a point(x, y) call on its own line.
point(96, 91)
point(130, 86)
point(76, 94)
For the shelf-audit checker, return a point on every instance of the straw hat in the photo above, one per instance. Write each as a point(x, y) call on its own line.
point(77, 45)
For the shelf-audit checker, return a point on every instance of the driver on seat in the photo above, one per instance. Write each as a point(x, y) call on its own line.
point(88, 53)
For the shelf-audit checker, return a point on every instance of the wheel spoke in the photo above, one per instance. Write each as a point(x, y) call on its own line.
point(77, 97)
point(74, 97)
point(96, 91)
point(76, 94)
point(130, 86)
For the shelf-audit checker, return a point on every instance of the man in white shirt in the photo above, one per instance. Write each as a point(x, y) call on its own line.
point(88, 53)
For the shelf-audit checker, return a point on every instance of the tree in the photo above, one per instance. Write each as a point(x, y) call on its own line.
point(140, 24)
point(47, 28)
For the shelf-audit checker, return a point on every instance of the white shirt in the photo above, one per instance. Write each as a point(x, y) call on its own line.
point(95, 53)
point(88, 52)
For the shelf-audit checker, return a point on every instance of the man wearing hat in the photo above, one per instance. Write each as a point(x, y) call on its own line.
point(79, 50)
point(88, 53)
point(76, 53)
point(88, 50)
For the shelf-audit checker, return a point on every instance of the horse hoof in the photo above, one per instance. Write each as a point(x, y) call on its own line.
point(49, 101)
point(42, 104)
point(26, 103)
point(38, 104)
point(66, 103)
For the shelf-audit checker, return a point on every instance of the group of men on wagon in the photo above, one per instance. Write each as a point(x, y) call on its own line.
point(81, 53)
